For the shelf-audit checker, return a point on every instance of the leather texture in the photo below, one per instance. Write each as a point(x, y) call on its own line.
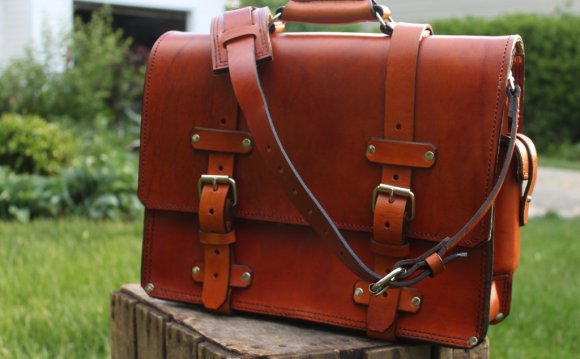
point(333, 11)
point(326, 126)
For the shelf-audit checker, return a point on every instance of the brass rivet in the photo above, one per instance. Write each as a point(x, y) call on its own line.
point(429, 155)
point(149, 287)
point(371, 149)
point(246, 276)
point(529, 199)
point(196, 270)
point(195, 138)
point(473, 341)
point(358, 292)
point(499, 317)
point(246, 142)
point(416, 302)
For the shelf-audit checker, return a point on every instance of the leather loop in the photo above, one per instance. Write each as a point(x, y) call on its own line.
point(215, 140)
point(217, 238)
point(401, 153)
point(532, 175)
point(248, 30)
point(435, 264)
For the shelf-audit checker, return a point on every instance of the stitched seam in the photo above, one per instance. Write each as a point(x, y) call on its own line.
point(441, 338)
point(482, 291)
point(145, 119)
point(272, 309)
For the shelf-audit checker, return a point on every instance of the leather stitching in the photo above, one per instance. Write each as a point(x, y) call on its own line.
point(145, 122)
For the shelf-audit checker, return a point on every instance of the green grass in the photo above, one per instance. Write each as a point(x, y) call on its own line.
point(545, 318)
point(55, 280)
point(547, 161)
point(56, 276)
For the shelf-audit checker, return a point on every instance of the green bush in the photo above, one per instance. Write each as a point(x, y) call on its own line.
point(552, 94)
point(82, 75)
point(32, 145)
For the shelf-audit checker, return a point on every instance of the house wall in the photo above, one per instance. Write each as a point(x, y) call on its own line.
point(23, 22)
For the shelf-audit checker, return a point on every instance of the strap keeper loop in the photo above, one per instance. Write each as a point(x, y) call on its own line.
point(435, 264)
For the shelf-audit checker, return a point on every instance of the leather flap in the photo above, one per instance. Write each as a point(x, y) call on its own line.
point(326, 95)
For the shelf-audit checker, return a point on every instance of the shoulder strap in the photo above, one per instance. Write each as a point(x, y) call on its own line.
point(241, 54)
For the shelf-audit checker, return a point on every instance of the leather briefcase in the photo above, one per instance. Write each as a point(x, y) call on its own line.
point(374, 182)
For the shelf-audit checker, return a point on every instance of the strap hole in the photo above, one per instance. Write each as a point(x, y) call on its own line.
point(396, 177)
point(280, 169)
point(384, 294)
point(217, 252)
point(220, 168)
point(310, 212)
point(294, 192)
point(211, 211)
point(222, 121)
point(215, 275)
point(398, 126)
point(326, 233)
point(268, 148)
point(387, 224)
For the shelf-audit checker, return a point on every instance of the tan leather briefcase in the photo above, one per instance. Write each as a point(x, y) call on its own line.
point(375, 182)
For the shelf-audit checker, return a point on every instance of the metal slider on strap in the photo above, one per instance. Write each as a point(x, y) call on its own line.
point(392, 191)
point(215, 180)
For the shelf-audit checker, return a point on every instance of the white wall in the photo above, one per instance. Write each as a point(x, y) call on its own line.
point(23, 22)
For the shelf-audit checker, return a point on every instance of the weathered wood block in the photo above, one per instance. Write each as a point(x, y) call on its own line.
point(144, 327)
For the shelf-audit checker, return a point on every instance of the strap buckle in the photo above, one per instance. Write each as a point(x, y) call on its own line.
point(392, 191)
point(382, 284)
point(214, 180)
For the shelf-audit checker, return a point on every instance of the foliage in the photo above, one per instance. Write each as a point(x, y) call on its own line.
point(88, 73)
point(31, 145)
point(552, 94)
point(100, 184)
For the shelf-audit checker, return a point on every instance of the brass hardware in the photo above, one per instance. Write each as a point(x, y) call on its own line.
point(214, 180)
point(149, 287)
point(382, 284)
point(195, 138)
point(371, 149)
point(473, 341)
point(196, 270)
point(499, 317)
point(529, 199)
point(246, 276)
point(358, 292)
point(246, 142)
point(429, 156)
point(392, 191)
point(416, 302)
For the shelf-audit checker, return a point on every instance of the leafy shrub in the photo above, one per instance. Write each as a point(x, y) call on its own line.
point(85, 74)
point(552, 94)
point(31, 145)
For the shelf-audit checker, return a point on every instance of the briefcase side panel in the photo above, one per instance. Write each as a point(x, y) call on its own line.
point(326, 96)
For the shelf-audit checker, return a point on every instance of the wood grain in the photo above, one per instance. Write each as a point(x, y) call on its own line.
point(145, 327)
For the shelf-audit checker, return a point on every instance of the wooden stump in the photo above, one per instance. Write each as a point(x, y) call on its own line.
point(144, 327)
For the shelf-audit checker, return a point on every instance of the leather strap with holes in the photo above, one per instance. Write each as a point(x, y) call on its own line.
point(241, 54)
point(215, 218)
point(390, 215)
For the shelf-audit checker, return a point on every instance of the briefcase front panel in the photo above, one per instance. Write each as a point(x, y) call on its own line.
point(326, 95)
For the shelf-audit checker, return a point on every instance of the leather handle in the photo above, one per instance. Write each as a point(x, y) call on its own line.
point(332, 12)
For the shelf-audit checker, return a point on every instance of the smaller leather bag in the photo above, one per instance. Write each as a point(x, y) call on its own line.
point(374, 182)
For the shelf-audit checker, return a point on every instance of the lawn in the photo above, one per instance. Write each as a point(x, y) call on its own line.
point(55, 279)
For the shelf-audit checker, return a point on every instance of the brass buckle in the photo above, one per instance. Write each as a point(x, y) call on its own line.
point(214, 180)
point(392, 191)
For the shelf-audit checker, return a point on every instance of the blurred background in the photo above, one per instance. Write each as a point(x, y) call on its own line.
point(71, 78)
